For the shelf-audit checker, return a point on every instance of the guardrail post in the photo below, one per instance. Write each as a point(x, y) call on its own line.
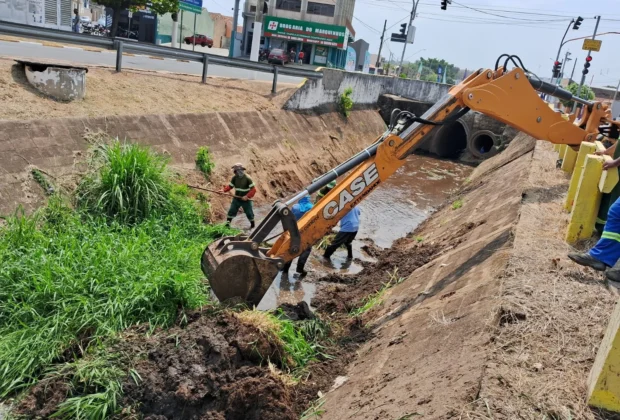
point(587, 201)
point(205, 65)
point(119, 55)
point(275, 79)
point(586, 148)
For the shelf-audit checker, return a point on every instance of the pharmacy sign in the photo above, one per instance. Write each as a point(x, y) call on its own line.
point(308, 32)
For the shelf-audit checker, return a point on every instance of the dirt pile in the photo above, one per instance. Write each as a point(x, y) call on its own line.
point(135, 92)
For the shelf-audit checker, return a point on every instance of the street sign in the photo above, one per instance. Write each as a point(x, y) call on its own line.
point(411, 35)
point(194, 6)
point(398, 37)
point(592, 44)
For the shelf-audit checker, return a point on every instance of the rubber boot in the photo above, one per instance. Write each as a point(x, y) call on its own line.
point(349, 252)
point(252, 224)
point(228, 220)
point(588, 261)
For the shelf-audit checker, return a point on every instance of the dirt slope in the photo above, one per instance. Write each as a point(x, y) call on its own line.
point(429, 351)
point(134, 92)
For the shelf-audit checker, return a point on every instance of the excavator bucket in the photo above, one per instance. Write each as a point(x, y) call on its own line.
point(235, 270)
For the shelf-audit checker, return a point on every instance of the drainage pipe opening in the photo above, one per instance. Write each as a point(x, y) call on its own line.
point(482, 144)
point(450, 141)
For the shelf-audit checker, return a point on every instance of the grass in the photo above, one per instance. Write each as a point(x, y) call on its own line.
point(315, 411)
point(346, 103)
point(377, 298)
point(457, 204)
point(95, 387)
point(299, 342)
point(69, 278)
point(42, 181)
point(325, 242)
point(127, 183)
point(419, 238)
point(204, 161)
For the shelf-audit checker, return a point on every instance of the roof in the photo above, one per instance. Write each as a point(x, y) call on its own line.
point(603, 93)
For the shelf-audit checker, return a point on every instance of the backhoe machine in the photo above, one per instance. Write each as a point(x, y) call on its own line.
point(238, 267)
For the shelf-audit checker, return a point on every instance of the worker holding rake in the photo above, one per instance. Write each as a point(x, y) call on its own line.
point(244, 191)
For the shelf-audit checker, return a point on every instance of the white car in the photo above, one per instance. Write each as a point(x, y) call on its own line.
point(84, 20)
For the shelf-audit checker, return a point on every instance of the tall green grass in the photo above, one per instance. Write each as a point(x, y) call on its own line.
point(129, 183)
point(131, 254)
point(204, 161)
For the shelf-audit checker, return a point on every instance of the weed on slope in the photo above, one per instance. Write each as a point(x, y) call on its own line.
point(70, 277)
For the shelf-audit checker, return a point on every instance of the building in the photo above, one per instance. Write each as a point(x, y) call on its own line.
point(204, 26)
point(320, 28)
point(361, 49)
point(87, 8)
point(55, 14)
point(222, 30)
point(607, 95)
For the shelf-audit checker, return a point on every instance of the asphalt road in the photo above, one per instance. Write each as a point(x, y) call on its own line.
point(76, 55)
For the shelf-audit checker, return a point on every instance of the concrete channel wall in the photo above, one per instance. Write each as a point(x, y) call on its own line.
point(282, 150)
point(366, 90)
point(474, 137)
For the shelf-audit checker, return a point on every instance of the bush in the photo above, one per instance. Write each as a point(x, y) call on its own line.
point(403, 76)
point(127, 183)
point(204, 161)
point(346, 103)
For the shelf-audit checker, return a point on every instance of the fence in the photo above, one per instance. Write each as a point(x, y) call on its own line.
point(126, 45)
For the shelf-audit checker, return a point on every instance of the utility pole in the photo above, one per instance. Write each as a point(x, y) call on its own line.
point(233, 34)
point(258, 30)
point(573, 72)
point(413, 10)
point(563, 65)
point(381, 45)
point(614, 101)
point(583, 75)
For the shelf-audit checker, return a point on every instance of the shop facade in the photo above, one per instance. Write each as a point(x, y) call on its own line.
point(322, 44)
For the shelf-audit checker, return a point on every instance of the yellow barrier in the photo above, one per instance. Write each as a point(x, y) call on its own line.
point(604, 379)
point(585, 149)
point(556, 147)
point(568, 160)
point(587, 200)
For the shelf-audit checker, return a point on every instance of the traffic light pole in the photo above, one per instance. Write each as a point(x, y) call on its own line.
point(402, 57)
point(563, 65)
point(557, 57)
point(583, 75)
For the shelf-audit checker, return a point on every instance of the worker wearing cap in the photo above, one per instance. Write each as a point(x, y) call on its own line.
point(324, 191)
point(244, 191)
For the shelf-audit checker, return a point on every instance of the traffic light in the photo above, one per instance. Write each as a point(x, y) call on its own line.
point(578, 23)
point(557, 68)
point(586, 66)
point(444, 4)
point(403, 29)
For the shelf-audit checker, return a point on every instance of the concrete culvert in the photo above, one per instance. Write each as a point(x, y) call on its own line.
point(482, 145)
point(61, 82)
point(450, 141)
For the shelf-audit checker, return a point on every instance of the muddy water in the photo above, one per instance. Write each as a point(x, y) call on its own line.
point(390, 212)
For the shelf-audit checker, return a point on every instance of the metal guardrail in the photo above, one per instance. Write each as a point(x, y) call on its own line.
point(127, 45)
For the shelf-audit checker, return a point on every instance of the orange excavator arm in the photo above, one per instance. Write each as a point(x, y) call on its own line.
point(239, 267)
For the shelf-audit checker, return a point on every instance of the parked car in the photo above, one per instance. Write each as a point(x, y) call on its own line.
point(201, 40)
point(84, 20)
point(278, 56)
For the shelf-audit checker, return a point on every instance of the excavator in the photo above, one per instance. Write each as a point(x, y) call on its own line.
point(238, 267)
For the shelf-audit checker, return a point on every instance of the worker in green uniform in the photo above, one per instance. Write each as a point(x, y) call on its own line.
point(324, 191)
point(244, 191)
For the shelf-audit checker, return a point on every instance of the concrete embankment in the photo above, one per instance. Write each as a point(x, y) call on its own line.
point(499, 323)
point(282, 150)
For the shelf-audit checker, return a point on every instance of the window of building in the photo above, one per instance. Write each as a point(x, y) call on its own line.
point(321, 9)
point(294, 5)
point(252, 8)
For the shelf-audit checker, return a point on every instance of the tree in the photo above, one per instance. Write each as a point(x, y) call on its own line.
point(430, 66)
point(586, 93)
point(161, 7)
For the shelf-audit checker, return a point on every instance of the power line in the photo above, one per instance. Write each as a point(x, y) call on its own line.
point(366, 25)
point(502, 16)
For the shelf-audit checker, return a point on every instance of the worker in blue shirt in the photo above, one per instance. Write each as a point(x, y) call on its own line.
point(299, 209)
point(349, 225)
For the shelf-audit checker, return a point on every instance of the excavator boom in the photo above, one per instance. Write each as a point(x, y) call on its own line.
point(237, 267)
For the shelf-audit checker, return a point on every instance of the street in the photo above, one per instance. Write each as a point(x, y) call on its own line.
point(28, 50)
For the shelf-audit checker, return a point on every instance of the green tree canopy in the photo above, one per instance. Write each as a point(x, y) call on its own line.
point(586, 93)
point(430, 66)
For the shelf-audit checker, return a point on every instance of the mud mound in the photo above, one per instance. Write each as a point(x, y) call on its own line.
point(347, 294)
point(207, 370)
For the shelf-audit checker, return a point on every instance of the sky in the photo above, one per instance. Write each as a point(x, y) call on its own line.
point(473, 33)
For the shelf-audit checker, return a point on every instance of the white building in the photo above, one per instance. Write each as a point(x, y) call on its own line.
point(319, 28)
point(56, 14)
